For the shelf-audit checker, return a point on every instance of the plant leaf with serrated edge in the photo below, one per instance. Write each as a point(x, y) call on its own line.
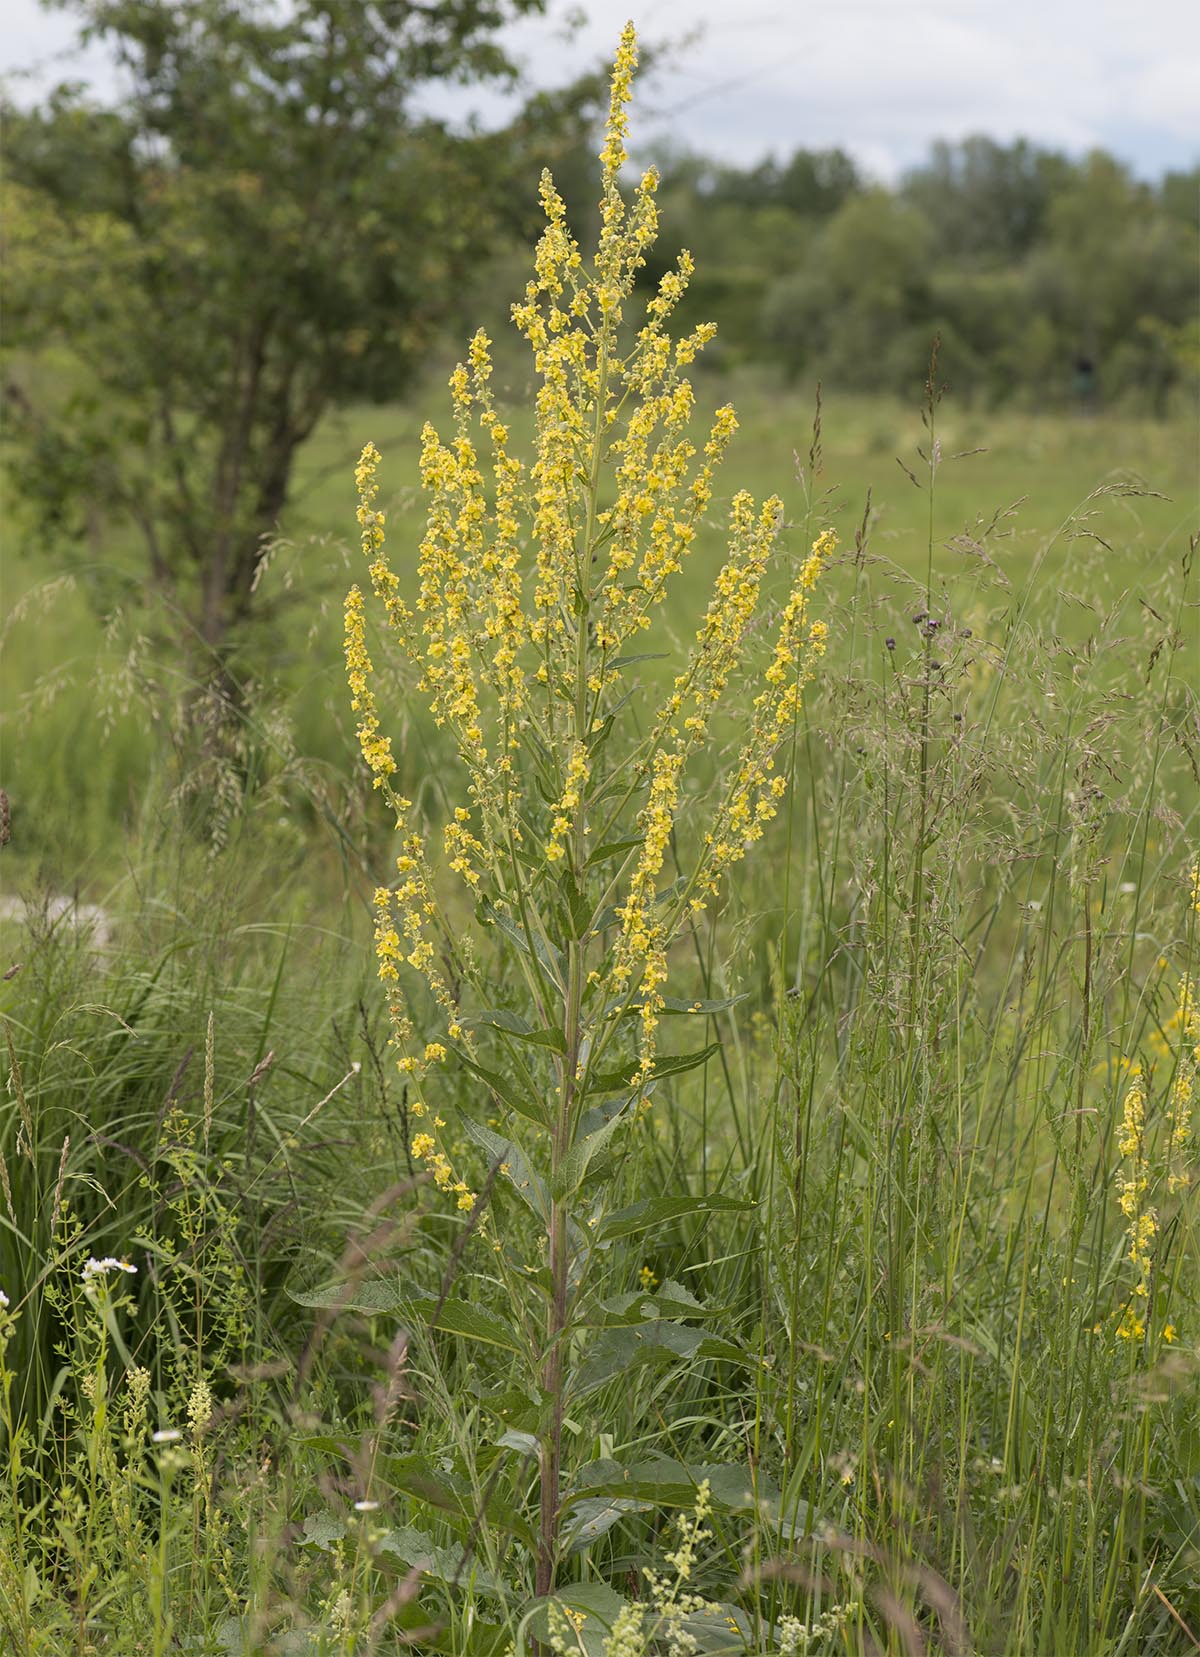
point(594, 1517)
point(512, 1024)
point(670, 1064)
point(379, 1294)
point(656, 1342)
point(652, 1211)
point(672, 1300)
point(418, 1551)
point(525, 1181)
point(454, 1317)
point(503, 1089)
point(671, 1483)
point(459, 1317)
point(662, 1481)
point(574, 1167)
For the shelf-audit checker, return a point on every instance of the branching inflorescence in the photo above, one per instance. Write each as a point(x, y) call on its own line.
point(534, 578)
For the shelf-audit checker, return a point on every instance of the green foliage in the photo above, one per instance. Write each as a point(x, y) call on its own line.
point(1025, 262)
point(218, 259)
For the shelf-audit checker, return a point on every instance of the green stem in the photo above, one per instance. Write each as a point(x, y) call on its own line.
point(558, 1313)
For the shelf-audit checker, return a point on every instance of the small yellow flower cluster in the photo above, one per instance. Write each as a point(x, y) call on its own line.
point(464, 852)
point(1196, 886)
point(1142, 1221)
point(1183, 1087)
point(1179, 1040)
point(425, 1149)
point(569, 801)
point(445, 599)
point(753, 797)
point(376, 749)
point(384, 582)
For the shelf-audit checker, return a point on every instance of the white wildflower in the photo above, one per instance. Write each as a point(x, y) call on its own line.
point(101, 1268)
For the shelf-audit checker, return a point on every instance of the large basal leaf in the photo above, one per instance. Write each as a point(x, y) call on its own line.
point(599, 1605)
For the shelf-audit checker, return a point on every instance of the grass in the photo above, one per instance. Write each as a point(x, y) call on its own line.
point(877, 1342)
point(72, 679)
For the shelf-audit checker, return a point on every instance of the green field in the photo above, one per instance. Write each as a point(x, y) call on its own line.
point(1061, 498)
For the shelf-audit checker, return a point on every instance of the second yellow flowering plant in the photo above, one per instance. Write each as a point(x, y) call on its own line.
point(534, 584)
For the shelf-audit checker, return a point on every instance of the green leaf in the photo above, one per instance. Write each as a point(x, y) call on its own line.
point(674, 1004)
point(504, 1090)
point(415, 1476)
point(460, 1317)
point(672, 1300)
point(549, 957)
point(645, 656)
point(613, 848)
point(595, 1516)
point(528, 1184)
point(419, 1552)
point(322, 1530)
point(512, 1024)
point(655, 1343)
point(597, 738)
point(573, 1169)
point(669, 1483)
point(379, 1294)
point(599, 1604)
point(653, 1211)
point(669, 1064)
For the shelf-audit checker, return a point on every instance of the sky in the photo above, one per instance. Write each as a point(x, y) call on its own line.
point(881, 78)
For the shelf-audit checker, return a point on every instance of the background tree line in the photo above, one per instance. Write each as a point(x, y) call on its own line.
point(263, 225)
point(1049, 279)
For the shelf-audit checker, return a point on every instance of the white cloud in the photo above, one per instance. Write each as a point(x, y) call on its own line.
point(882, 78)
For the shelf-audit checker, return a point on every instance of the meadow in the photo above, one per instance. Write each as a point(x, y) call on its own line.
point(622, 1147)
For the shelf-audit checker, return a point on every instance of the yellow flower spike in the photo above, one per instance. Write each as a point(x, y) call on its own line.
point(376, 749)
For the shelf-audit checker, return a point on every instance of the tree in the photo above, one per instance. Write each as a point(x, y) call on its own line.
point(858, 311)
point(261, 226)
point(984, 200)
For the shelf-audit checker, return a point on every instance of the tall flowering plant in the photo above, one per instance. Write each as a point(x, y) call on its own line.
point(535, 580)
